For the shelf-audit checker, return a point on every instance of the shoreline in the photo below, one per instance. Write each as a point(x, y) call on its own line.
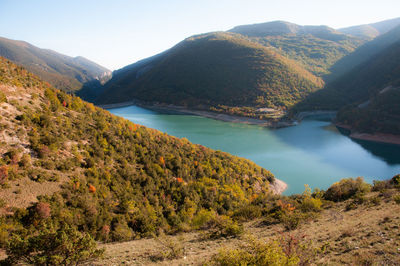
point(344, 129)
point(204, 113)
point(377, 137)
point(278, 187)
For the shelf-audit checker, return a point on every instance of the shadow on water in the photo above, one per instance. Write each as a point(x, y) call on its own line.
point(390, 153)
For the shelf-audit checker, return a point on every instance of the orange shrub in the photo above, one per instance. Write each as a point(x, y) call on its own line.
point(92, 189)
point(3, 174)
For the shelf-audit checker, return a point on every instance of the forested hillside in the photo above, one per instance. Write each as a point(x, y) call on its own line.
point(317, 48)
point(103, 175)
point(215, 69)
point(61, 71)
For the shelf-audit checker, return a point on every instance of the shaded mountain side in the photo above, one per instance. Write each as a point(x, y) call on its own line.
point(214, 69)
point(317, 48)
point(364, 53)
point(63, 72)
point(381, 114)
point(102, 174)
point(92, 90)
point(370, 31)
point(368, 96)
point(359, 85)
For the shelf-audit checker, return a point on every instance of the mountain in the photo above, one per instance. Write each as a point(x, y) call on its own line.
point(104, 175)
point(364, 53)
point(370, 31)
point(374, 91)
point(360, 75)
point(317, 48)
point(63, 72)
point(213, 69)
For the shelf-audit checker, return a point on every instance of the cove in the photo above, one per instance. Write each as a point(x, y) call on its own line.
point(313, 152)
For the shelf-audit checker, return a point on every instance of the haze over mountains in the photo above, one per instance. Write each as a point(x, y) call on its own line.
point(371, 30)
point(62, 71)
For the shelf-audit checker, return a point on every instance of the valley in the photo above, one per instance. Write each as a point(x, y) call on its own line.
point(274, 143)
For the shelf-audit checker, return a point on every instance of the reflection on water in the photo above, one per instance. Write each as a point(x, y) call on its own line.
point(388, 152)
point(313, 152)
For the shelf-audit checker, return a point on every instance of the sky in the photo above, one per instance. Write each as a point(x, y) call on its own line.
point(115, 33)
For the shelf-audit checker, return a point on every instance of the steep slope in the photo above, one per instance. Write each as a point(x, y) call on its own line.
point(63, 72)
point(375, 66)
point(214, 69)
point(370, 31)
point(317, 48)
point(370, 94)
point(364, 53)
point(102, 174)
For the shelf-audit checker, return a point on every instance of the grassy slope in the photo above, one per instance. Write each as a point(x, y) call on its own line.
point(61, 71)
point(118, 180)
point(216, 68)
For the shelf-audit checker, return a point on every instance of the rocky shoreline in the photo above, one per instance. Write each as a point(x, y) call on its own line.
point(203, 113)
point(344, 129)
point(278, 187)
point(377, 137)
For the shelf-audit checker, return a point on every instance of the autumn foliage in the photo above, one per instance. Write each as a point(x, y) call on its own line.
point(3, 174)
point(92, 189)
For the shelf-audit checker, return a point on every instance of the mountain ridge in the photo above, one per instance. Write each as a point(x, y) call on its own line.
point(62, 71)
point(210, 55)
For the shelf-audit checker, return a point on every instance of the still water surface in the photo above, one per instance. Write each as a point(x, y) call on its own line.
point(313, 152)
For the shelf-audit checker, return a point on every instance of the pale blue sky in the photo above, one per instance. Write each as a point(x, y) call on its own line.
point(116, 33)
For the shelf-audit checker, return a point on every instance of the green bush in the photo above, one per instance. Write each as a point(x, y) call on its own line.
point(3, 98)
point(247, 213)
point(310, 204)
point(380, 185)
point(203, 219)
point(347, 188)
point(255, 252)
point(396, 180)
point(396, 199)
point(65, 246)
point(224, 226)
point(292, 220)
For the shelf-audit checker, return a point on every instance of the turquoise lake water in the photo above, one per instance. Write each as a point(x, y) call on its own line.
point(313, 152)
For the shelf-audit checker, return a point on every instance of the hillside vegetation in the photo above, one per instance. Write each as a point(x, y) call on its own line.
point(352, 223)
point(364, 53)
point(367, 96)
point(61, 71)
point(316, 48)
point(103, 176)
point(370, 69)
point(215, 69)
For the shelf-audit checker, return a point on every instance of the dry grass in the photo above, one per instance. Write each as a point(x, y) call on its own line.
point(369, 233)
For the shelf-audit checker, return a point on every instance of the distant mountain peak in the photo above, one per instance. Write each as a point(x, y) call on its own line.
point(62, 71)
point(372, 30)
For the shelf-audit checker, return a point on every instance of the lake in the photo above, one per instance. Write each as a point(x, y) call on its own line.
point(313, 153)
